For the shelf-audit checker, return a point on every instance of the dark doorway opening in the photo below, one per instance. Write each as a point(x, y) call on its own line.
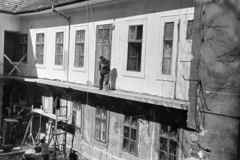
point(10, 47)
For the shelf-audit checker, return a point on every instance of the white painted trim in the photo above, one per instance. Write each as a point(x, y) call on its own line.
point(72, 48)
point(65, 37)
point(163, 20)
point(141, 74)
point(35, 32)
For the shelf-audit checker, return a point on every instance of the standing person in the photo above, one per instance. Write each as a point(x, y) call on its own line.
point(104, 70)
point(44, 149)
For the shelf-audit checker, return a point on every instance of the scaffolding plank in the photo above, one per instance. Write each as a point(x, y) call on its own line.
point(49, 115)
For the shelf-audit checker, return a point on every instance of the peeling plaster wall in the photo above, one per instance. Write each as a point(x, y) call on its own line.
point(215, 92)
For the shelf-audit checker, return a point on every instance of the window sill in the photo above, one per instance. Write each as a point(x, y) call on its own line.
point(169, 78)
point(40, 66)
point(100, 144)
point(134, 74)
point(79, 69)
point(55, 67)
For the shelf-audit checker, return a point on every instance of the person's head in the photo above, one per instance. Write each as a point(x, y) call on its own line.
point(42, 140)
point(101, 58)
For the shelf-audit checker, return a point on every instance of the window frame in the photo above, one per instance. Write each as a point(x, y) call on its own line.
point(78, 129)
point(57, 30)
point(107, 123)
point(20, 34)
point(44, 50)
point(129, 23)
point(130, 128)
point(177, 141)
point(73, 46)
point(160, 75)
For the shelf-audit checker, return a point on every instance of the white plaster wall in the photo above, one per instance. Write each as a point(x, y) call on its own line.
point(150, 83)
point(8, 23)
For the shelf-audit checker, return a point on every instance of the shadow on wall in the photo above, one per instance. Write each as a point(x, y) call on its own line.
point(113, 78)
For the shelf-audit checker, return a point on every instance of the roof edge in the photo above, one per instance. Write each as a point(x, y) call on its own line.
point(6, 12)
point(48, 7)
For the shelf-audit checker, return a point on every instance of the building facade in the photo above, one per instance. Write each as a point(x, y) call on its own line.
point(150, 109)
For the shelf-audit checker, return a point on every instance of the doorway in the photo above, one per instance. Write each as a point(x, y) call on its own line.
point(10, 48)
point(103, 47)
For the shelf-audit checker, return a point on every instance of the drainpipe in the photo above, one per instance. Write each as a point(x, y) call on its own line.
point(68, 19)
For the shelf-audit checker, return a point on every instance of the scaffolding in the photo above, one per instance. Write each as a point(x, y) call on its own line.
point(52, 134)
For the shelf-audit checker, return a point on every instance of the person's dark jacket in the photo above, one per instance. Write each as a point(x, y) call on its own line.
point(104, 66)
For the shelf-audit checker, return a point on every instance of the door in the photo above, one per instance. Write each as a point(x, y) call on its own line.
point(10, 46)
point(103, 47)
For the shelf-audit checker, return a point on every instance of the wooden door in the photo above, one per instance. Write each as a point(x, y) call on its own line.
point(103, 47)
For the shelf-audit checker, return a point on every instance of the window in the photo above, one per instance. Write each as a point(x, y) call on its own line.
point(76, 116)
point(40, 48)
point(59, 49)
point(130, 134)
point(38, 99)
point(167, 48)
point(79, 48)
point(168, 142)
point(134, 48)
point(22, 47)
point(100, 124)
point(189, 29)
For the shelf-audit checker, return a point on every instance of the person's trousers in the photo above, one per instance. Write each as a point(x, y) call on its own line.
point(103, 77)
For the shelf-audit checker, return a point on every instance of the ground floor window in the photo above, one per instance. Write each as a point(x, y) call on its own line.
point(168, 138)
point(130, 134)
point(100, 124)
point(77, 116)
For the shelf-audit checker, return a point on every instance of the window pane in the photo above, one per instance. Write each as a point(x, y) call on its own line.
point(164, 129)
point(100, 35)
point(189, 29)
point(166, 68)
point(139, 32)
point(127, 119)
point(106, 34)
point(125, 144)
point(132, 33)
point(59, 37)
point(97, 123)
point(104, 112)
point(162, 156)
point(78, 121)
point(172, 147)
point(134, 134)
point(80, 36)
point(126, 132)
point(134, 121)
point(173, 132)
point(167, 50)
point(133, 147)
point(97, 134)
point(74, 118)
point(81, 61)
point(134, 56)
point(163, 144)
point(98, 111)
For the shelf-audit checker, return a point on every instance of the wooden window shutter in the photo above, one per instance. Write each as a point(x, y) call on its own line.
point(168, 31)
